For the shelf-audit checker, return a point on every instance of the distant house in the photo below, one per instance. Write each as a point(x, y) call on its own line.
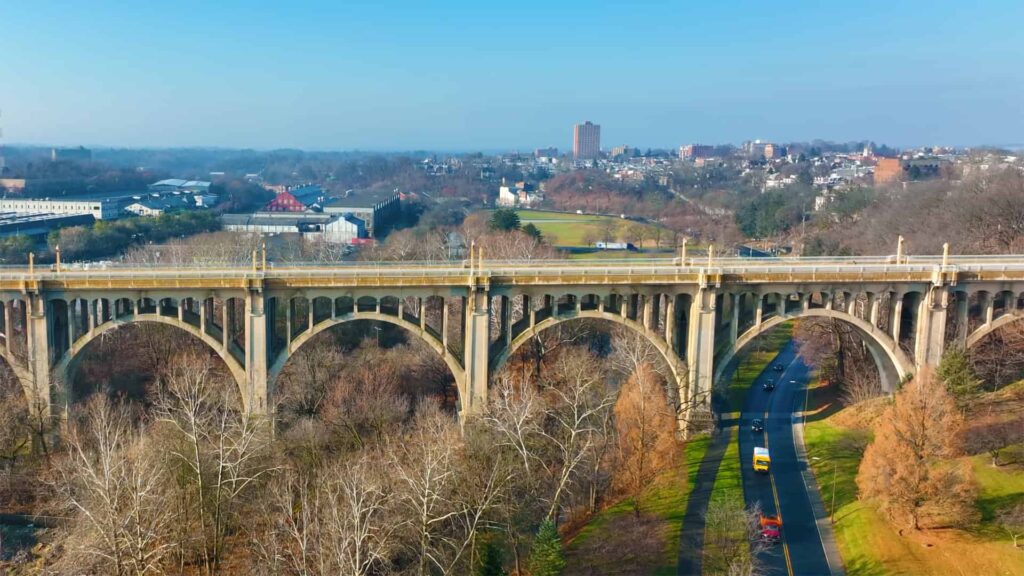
point(519, 194)
point(157, 206)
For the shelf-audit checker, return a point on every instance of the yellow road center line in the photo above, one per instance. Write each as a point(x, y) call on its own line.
point(775, 493)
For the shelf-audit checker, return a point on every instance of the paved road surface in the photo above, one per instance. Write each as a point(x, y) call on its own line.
point(801, 551)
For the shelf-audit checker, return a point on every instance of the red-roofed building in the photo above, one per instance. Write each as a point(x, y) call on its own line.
point(285, 202)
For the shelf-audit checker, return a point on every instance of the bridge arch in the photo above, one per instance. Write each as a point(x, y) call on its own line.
point(68, 361)
point(425, 334)
point(892, 362)
point(21, 374)
point(985, 330)
point(673, 362)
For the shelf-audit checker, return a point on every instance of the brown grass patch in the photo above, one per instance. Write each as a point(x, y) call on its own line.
point(627, 546)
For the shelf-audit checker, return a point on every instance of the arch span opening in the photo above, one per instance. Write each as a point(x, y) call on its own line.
point(599, 331)
point(356, 367)
point(891, 361)
point(125, 358)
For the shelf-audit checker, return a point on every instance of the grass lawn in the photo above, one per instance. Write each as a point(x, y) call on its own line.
point(603, 545)
point(870, 545)
point(562, 229)
point(753, 361)
point(619, 255)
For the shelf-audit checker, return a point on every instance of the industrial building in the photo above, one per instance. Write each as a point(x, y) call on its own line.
point(15, 224)
point(100, 209)
point(377, 208)
point(179, 185)
point(336, 228)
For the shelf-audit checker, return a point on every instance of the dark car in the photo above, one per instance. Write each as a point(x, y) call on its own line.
point(769, 386)
point(778, 367)
point(756, 426)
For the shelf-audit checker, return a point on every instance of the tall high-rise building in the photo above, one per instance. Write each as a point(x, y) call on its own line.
point(586, 141)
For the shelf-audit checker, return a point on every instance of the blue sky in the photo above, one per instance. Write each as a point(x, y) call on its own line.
point(482, 75)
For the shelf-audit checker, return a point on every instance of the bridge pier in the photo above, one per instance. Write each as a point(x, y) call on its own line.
point(477, 350)
point(700, 353)
point(39, 345)
point(257, 352)
point(930, 340)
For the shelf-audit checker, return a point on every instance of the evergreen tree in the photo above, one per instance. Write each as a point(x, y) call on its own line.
point(547, 557)
point(533, 232)
point(504, 219)
point(955, 372)
point(490, 560)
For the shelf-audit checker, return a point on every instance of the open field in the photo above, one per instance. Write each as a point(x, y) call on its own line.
point(870, 545)
point(571, 230)
point(615, 541)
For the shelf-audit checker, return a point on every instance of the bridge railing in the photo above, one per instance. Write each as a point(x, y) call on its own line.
point(766, 267)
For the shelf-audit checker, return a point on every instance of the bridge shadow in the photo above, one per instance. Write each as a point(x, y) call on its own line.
point(691, 545)
point(691, 542)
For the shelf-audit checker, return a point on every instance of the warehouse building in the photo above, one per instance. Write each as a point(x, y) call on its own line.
point(378, 208)
point(335, 228)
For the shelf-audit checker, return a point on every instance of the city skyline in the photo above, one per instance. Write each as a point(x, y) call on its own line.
point(405, 76)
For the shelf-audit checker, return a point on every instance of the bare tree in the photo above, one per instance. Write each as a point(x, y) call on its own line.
point(1012, 521)
point(580, 399)
point(113, 481)
point(222, 451)
point(732, 542)
point(335, 520)
point(441, 526)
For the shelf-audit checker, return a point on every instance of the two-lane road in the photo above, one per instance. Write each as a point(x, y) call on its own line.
point(782, 490)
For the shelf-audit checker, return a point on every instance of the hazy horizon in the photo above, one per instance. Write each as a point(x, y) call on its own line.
point(460, 77)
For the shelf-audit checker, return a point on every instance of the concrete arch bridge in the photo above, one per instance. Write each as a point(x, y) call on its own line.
point(475, 314)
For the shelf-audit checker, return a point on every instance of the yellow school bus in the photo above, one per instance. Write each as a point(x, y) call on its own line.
point(761, 459)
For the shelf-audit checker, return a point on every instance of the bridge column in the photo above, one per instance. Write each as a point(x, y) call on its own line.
point(477, 342)
point(990, 308)
point(930, 339)
point(202, 316)
point(701, 346)
point(670, 322)
point(734, 322)
point(896, 306)
point(506, 321)
point(224, 323)
point(39, 342)
point(874, 310)
point(648, 312)
point(256, 352)
point(444, 324)
point(8, 329)
point(759, 310)
point(962, 319)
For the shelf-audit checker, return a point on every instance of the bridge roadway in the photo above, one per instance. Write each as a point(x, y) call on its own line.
point(517, 272)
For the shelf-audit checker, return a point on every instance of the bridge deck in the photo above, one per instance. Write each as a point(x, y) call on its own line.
point(513, 273)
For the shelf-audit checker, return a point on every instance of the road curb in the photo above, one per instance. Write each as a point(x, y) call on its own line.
point(827, 536)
